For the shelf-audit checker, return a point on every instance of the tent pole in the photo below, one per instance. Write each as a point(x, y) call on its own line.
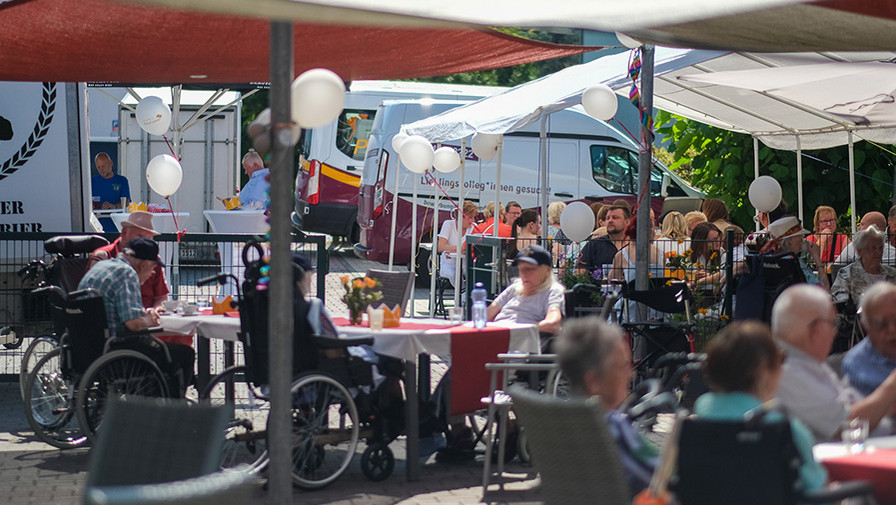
point(458, 256)
point(414, 239)
point(280, 319)
point(394, 215)
point(799, 177)
point(543, 171)
point(498, 184)
point(852, 182)
point(645, 160)
point(756, 169)
point(435, 246)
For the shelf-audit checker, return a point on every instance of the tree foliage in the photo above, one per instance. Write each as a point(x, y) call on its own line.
point(720, 163)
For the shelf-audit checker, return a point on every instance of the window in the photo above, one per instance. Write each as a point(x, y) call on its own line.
point(352, 130)
point(616, 169)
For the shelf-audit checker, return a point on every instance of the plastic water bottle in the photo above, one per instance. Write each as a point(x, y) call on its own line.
point(480, 313)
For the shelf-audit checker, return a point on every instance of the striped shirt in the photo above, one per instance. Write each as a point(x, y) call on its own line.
point(118, 283)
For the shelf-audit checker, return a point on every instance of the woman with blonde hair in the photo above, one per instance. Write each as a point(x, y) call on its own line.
point(673, 234)
point(692, 219)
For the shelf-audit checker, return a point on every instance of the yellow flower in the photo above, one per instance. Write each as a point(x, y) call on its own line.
point(701, 311)
point(724, 317)
point(357, 283)
point(344, 279)
point(370, 283)
point(688, 252)
point(698, 265)
point(713, 255)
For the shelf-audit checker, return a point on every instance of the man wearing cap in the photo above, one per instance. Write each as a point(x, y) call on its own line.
point(535, 297)
point(877, 219)
point(118, 281)
point(138, 225)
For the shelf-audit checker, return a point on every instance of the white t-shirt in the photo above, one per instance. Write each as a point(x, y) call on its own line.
point(528, 309)
point(447, 263)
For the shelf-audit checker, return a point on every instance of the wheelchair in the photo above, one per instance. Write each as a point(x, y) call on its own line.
point(334, 403)
point(66, 392)
point(69, 262)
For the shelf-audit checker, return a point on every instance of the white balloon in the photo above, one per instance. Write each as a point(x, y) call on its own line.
point(600, 102)
point(765, 193)
point(397, 140)
point(164, 174)
point(577, 221)
point(627, 41)
point(153, 115)
point(318, 96)
point(446, 160)
point(416, 153)
point(485, 145)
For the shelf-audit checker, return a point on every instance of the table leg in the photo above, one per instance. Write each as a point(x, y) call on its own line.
point(203, 360)
point(424, 377)
point(412, 421)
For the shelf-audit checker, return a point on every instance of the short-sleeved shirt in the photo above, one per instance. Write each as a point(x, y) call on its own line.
point(447, 263)
point(112, 189)
point(528, 309)
point(487, 228)
point(153, 288)
point(596, 253)
point(118, 284)
point(848, 255)
point(254, 193)
point(866, 368)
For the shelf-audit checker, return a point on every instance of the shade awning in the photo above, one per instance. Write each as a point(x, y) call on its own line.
point(97, 40)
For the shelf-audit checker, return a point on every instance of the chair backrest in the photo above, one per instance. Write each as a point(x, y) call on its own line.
point(579, 301)
point(148, 441)
point(395, 285)
point(572, 449)
point(230, 487)
point(736, 463)
point(70, 263)
point(84, 318)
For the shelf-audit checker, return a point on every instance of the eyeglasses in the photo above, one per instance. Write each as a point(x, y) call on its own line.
point(826, 221)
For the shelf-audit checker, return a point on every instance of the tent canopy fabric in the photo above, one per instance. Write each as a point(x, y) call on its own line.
point(94, 41)
point(747, 25)
point(684, 85)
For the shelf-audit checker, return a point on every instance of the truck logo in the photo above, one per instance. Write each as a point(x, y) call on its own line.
point(41, 127)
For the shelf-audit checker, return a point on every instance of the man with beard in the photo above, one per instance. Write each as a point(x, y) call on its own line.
point(601, 251)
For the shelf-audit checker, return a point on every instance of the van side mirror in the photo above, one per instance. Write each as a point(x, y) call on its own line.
point(664, 186)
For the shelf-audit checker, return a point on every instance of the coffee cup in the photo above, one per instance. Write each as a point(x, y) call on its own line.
point(191, 309)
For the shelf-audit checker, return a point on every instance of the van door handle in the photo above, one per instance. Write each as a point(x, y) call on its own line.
point(351, 168)
point(594, 197)
point(564, 195)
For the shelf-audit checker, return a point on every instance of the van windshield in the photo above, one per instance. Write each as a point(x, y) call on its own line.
point(352, 130)
point(616, 169)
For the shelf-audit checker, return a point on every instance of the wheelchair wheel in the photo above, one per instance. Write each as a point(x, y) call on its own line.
point(37, 349)
point(245, 439)
point(325, 430)
point(377, 462)
point(116, 374)
point(49, 399)
point(16, 342)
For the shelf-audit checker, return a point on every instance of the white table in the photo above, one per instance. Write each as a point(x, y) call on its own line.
point(408, 345)
point(234, 221)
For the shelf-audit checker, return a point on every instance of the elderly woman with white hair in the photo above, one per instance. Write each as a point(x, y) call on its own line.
point(853, 279)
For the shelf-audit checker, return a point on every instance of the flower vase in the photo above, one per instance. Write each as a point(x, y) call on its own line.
point(355, 314)
point(676, 273)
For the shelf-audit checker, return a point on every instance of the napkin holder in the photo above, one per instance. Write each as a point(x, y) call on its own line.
point(133, 207)
point(223, 306)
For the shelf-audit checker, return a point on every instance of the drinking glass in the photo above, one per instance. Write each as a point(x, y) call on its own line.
point(854, 434)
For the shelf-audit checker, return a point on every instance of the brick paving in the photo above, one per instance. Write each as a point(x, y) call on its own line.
point(32, 472)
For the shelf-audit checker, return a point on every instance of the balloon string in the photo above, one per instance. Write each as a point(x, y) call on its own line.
point(180, 233)
point(170, 148)
point(432, 182)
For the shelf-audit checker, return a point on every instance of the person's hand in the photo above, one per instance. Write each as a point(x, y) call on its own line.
point(107, 206)
point(152, 316)
point(813, 250)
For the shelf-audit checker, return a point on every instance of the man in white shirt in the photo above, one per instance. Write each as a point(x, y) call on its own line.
point(848, 255)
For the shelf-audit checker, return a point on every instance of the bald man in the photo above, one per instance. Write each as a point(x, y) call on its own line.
point(877, 219)
point(804, 320)
point(871, 361)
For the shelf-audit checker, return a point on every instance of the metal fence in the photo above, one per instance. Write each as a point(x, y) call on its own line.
point(194, 257)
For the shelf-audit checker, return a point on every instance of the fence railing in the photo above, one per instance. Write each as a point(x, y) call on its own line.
point(196, 256)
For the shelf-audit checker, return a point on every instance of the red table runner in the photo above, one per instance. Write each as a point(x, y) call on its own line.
point(402, 325)
point(471, 349)
point(877, 466)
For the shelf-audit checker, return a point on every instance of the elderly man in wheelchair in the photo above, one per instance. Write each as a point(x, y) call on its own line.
point(105, 351)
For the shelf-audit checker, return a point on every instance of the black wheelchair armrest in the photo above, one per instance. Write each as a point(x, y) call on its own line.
point(839, 492)
point(341, 342)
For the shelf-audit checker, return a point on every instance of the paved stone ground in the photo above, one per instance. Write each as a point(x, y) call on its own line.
point(32, 472)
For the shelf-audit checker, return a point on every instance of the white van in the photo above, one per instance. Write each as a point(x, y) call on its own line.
point(587, 159)
point(333, 155)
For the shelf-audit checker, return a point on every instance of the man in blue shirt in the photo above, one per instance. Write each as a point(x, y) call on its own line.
point(872, 360)
point(255, 193)
point(108, 188)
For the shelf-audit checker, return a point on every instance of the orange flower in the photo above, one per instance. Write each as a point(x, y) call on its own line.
point(370, 283)
point(671, 254)
point(357, 283)
point(344, 279)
